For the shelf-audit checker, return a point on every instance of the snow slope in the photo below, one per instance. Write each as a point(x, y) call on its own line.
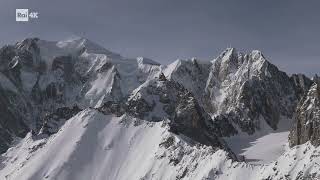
point(259, 149)
point(93, 146)
point(264, 146)
point(97, 146)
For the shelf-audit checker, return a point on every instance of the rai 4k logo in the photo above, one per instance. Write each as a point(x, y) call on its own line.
point(24, 15)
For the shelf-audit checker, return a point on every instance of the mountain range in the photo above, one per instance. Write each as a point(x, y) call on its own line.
point(73, 110)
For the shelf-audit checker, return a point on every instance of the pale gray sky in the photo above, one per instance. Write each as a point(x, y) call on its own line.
point(287, 31)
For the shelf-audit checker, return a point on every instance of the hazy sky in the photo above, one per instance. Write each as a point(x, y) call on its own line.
point(287, 31)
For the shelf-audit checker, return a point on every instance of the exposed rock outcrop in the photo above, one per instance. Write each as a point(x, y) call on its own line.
point(248, 89)
point(307, 119)
point(53, 122)
point(301, 83)
point(158, 100)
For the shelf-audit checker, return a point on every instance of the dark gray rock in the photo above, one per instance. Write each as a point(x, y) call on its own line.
point(193, 75)
point(168, 100)
point(307, 119)
point(248, 89)
point(244, 88)
point(110, 107)
point(11, 119)
point(301, 83)
point(53, 121)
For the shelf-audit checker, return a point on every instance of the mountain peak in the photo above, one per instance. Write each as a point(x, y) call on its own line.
point(228, 53)
point(257, 55)
point(232, 56)
point(78, 43)
point(143, 60)
point(316, 78)
point(230, 49)
point(314, 90)
point(27, 44)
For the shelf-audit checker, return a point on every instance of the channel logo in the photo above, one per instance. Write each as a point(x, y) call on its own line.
point(23, 15)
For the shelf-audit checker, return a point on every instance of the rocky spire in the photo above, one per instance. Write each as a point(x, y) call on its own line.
point(307, 119)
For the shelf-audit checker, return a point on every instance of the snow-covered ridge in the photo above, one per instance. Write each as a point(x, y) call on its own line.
point(97, 146)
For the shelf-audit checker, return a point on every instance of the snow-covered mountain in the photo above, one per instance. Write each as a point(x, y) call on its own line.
point(39, 77)
point(73, 110)
point(242, 89)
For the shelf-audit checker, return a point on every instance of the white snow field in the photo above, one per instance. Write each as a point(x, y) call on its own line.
point(259, 150)
point(263, 147)
point(93, 146)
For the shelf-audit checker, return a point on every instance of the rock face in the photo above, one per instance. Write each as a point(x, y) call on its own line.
point(192, 74)
point(243, 89)
point(248, 89)
point(161, 100)
point(307, 119)
point(11, 120)
point(53, 122)
point(301, 84)
point(15, 109)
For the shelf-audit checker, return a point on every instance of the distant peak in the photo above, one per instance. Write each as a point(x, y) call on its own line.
point(72, 38)
point(143, 60)
point(27, 43)
point(194, 59)
point(257, 55)
point(73, 41)
point(228, 52)
point(78, 43)
point(228, 56)
point(231, 49)
point(231, 55)
point(316, 79)
point(314, 90)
